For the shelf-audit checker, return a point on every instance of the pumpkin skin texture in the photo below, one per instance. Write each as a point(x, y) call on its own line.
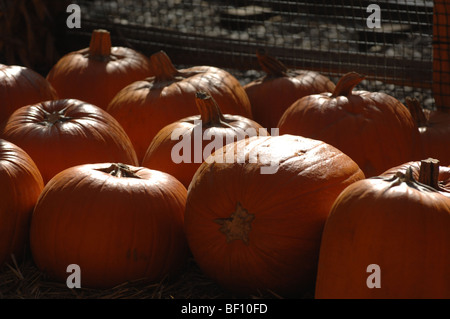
point(210, 128)
point(395, 222)
point(434, 129)
point(116, 222)
point(63, 133)
point(144, 107)
point(95, 74)
point(253, 232)
point(375, 129)
point(272, 94)
point(20, 185)
point(20, 86)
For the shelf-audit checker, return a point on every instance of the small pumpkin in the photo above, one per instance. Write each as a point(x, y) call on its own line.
point(95, 74)
point(61, 133)
point(20, 86)
point(179, 148)
point(375, 129)
point(117, 222)
point(396, 222)
point(272, 94)
point(434, 128)
point(256, 208)
point(145, 107)
point(20, 186)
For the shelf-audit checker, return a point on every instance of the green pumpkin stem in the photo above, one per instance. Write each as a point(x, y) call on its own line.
point(100, 45)
point(346, 83)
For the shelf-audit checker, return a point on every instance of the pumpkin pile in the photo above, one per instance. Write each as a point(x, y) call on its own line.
point(127, 167)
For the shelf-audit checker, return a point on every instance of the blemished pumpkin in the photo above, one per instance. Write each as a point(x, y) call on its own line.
point(117, 222)
point(20, 86)
point(95, 74)
point(272, 94)
point(434, 128)
point(179, 148)
point(144, 107)
point(253, 230)
point(62, 133)
point(375, 129)
point(20, 185)
point(387, 237)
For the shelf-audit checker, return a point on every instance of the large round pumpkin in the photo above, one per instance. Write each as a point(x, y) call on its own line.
point(145, 107)
point(272, 94)
point(179, 148)
point(116, 222)
point(20, 86)
point(95, 74)
point(255, 211)
point(20, 186)
point(387, 237)
point(62, 133)
point(434, 128)
point(375, 129)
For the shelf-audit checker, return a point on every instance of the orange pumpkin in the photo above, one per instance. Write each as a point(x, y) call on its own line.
point(434, 128)
point(272, 94)
point(20, 86)
point(376, 130)
point(20, 185)
point(116, 222)
point(62, 133)
point(254, 230)
point(195, 138)
point(95, 74)
point(387, 237)
point(145, 107)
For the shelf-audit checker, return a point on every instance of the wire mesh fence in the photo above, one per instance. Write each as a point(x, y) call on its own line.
point(389, 41)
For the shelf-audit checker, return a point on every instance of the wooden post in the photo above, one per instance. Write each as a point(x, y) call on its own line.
point(441, 53)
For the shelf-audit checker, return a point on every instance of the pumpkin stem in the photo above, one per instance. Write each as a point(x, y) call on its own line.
point(271, 65)
point(100, 45)
point(346, 83)
point(429, 172)
point(416, 111)
point(120, 170)
point(54, 117)
point(162, 66)
point(210, 113)
point(238, 225)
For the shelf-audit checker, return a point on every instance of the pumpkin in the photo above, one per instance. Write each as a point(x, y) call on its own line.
point(95, 74)
point(434, 128)
point(144, 107)
point(116, 222)
point(375, 129)
point(20, 185)
point(256, 208)
point(179, 148)
point(272, 94)
point(67, 132)
point(20, 86)
point(396, 223)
